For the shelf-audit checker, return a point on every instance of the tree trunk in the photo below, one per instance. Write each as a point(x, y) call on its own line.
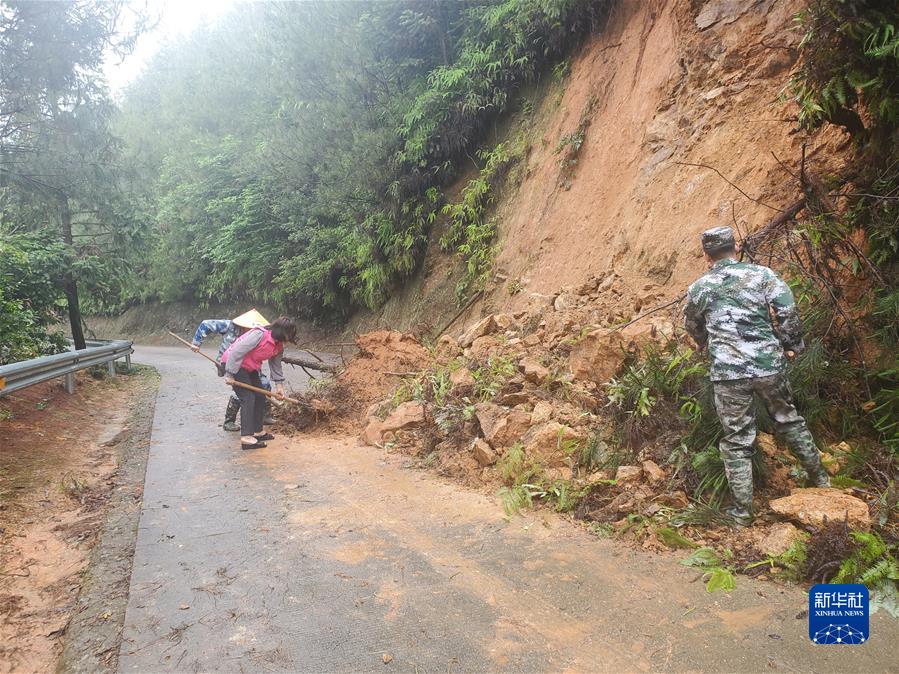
point(444, 33)
point(71, 288)
point(309, 364)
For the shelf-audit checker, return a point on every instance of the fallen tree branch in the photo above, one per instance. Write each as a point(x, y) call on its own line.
point(751, 242)
point(460, 312)
point(729, 182)
point(676, 300)
point(311, 364)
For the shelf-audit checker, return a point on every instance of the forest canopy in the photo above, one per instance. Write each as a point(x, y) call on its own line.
point(296, 153)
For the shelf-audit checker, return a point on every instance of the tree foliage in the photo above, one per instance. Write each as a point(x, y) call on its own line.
point(296, 152)
point(849, 76)
point(850, 66)
point(58, 175)
point(30, 297)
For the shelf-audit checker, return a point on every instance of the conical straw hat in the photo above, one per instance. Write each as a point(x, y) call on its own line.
point(251, 319)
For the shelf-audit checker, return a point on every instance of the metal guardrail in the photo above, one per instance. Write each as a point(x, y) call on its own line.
point(26, 373)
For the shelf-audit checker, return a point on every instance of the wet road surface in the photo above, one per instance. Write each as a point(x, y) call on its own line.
point(319, 555)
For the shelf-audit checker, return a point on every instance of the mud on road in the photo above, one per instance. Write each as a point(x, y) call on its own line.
point(71, 476)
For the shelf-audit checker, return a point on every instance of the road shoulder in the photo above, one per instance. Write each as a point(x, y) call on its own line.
point(70, 488)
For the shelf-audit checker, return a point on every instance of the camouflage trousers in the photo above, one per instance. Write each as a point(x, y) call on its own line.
point(734, 403)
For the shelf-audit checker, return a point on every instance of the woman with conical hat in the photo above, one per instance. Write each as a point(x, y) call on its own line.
point(243, 362)
point(230, 331)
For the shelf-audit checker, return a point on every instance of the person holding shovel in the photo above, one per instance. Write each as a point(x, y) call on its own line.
point(243, 362)
point(230, 330)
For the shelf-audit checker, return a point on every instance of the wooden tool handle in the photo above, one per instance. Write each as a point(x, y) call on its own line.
point(233, 382)
point(188, 344)
point(256, 389)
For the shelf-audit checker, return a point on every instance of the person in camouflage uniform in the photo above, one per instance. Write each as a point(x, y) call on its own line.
point(230, 330)
point(730, 311)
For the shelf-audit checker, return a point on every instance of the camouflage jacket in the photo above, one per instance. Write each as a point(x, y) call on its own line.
point(730, 310)
point(224, 327)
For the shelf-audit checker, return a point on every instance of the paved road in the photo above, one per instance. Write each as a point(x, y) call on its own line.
point(318, 555)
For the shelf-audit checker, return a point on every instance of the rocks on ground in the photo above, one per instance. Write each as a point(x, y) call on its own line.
point(817, 506)
point(533, 381)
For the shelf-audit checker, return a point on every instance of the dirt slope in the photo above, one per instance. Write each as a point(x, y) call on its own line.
point(669, 82)
point(665, 84)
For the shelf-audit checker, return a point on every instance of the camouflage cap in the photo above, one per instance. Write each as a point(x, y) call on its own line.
point(718, 238)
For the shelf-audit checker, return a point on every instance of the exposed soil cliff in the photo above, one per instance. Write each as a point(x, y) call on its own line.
point(611, 180)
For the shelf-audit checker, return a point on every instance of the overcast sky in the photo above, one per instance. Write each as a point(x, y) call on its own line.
point(175, 17)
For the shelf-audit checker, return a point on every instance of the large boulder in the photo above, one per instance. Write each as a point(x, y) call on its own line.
point(462, 378)
point(626, 474)
point(779, 539)
point(654, 472)
point(514, 348)
point(372, 435)
point(485, 326)
point(598, 356)
point(565, 300)
point(483, 453)
point(406, 415)
point(505, 322)
point(533, 371)
point(543, 412)
point(501, 427)
point(547, 443)
point(651, 330)
point(484, 347)
point(815, 505)
point(447, 348)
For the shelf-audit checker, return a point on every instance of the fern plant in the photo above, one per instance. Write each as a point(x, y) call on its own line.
point(872, 563)
point(716, 574)
point(849, 64)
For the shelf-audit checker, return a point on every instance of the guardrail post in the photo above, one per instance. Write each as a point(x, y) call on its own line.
point(128, 363)
point(22, 374)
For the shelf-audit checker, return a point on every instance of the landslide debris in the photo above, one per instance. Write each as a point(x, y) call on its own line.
point(520, 400)
point(338, 404)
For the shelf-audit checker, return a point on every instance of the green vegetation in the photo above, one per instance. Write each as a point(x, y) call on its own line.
point(291, 153)
point(850, 65)
point(30, 297)
point(526, 482)
point(471, 231)
point(716, 574)
point(307, 164)
point(849, 76)
point(517, 468)
point(64, 218)
point(489, 379)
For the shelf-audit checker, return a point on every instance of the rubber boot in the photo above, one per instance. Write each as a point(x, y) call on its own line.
point(740, 516)
point(818, 476)
point(267, 419)
point(231, 414)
